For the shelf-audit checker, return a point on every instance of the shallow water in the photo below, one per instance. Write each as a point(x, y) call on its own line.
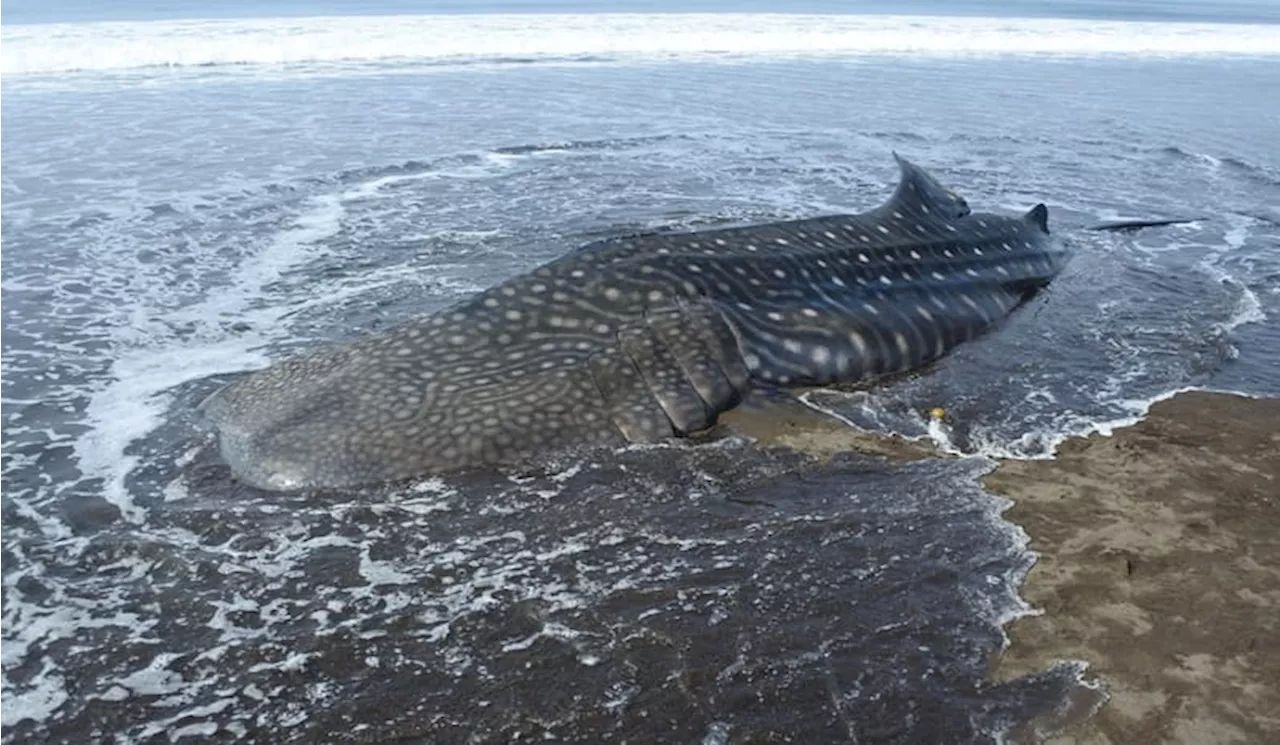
point(167, 227)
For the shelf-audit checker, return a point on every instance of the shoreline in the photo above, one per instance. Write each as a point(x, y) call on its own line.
point(1157, 562)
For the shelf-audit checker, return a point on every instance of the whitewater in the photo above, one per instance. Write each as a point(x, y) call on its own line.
point(618, 38)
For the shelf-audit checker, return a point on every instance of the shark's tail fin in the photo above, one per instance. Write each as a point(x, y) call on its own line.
point(1130, 225)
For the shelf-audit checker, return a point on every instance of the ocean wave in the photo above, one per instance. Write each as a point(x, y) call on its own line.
point(117, 46)
point(1253, 171)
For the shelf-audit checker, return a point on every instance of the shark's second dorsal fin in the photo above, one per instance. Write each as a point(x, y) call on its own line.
point(1038, 216)
point(919, 192)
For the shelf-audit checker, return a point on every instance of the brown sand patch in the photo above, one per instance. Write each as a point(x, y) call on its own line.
point(1160, 566)
point(792, 424)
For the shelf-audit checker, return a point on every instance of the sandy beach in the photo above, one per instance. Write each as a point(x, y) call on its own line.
point(1159, 563)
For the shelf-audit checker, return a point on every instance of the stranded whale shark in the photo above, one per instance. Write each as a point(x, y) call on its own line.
point(637, 339)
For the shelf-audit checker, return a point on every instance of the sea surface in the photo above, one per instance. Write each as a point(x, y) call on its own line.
point(192, 191)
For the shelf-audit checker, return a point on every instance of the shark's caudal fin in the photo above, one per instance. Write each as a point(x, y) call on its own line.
point(1130, 225)
point(919, 193)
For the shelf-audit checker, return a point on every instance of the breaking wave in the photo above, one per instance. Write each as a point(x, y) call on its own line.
point(442, 39)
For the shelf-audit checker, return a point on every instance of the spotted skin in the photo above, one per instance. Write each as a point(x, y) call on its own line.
point(638, 339)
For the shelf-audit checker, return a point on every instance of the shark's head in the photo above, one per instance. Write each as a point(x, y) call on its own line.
point(919, 187)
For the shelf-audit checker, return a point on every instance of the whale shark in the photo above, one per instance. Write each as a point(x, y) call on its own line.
point(638, 339)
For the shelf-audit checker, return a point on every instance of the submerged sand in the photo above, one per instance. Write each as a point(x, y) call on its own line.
point(1159, 563)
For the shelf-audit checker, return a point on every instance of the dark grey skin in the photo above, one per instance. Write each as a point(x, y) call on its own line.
point(639, 339)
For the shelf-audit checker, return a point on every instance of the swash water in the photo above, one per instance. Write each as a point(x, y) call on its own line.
point(191, 192)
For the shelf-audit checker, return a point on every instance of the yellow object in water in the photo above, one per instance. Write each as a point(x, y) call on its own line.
point(937, 412)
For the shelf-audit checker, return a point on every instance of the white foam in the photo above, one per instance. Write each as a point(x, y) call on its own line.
point(131, 404)
point(1044, 444)
point(58, 48)
point(37, 703)
point(28, 625)
point(373, 187)
point(1248, 307)
point(1039, 444)
point(717, 733)
point(289, 249)
point(381, 572)
point(156, 679)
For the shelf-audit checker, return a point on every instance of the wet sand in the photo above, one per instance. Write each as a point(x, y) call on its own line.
point(1159, 564)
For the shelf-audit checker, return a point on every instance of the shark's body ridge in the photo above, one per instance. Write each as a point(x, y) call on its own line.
point(639, 339)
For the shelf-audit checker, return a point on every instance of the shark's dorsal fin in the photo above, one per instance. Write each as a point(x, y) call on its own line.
point(919, 192)
point(1038, 216)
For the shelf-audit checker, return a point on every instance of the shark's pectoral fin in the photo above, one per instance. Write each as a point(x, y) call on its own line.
point(665, 378)
point(672, 374)
point(708, 323)
point(627, 397)
point(685, 340)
